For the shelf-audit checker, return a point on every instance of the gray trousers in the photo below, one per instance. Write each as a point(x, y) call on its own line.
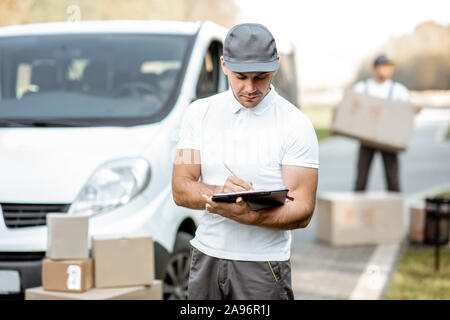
point(391, 168)
point(221, 279)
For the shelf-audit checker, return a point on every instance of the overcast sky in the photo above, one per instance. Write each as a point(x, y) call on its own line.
point(332, 36)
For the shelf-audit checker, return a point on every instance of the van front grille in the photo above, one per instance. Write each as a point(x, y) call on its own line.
point(29, 215)
point(21, 256)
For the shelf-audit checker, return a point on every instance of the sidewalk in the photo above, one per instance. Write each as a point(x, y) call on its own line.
point(320, 271)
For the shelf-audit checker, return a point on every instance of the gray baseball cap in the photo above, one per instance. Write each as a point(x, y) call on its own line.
point(382, 59)
point(250, 47)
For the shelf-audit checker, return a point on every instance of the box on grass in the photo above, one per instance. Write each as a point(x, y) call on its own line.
point(380, 123)
point(67, 236)
point(67, 275)
point(126, 261)
point(417, 223)
point(153, 292)
point(359, 218)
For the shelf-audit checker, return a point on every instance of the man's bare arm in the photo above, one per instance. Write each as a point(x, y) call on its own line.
point(302, 185)
point(187, 190)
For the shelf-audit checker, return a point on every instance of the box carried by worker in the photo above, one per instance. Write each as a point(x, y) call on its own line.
point(380, 123)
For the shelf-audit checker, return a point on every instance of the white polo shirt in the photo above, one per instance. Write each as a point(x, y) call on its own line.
point(382, 90)
point(254, 143)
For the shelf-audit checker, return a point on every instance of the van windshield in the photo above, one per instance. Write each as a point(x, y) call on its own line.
point(90, 79)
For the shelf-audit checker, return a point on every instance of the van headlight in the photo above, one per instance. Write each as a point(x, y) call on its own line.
point(112, 185)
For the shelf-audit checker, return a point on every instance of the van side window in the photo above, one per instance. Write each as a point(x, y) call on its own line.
point(285, 80)
point(39, 75)
point(210, 75)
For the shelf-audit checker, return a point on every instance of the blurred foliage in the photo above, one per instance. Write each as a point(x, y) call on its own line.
point(422, 58)
point(444, 194)
point(322, 133)
point(320, 116)
point(33, 11)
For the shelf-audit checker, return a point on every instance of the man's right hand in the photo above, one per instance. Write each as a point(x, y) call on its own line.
point(236, 184)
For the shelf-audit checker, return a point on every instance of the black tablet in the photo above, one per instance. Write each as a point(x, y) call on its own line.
point(257, 199)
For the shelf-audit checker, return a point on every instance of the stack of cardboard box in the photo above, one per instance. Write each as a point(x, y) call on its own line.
point(417, 222)
point(120, 268)
point(359, 218)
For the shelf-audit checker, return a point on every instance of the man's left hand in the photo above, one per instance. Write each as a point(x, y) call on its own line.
point(239, 211)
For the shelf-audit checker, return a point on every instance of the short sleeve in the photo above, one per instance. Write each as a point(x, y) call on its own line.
point(401, 92)
point(301, 145)
point(190, 128)
point(359, 87)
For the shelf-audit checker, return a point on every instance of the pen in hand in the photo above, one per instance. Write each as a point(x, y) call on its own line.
point(236, 176)
point(229, 169)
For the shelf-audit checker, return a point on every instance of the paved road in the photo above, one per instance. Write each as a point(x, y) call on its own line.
point(324, 272)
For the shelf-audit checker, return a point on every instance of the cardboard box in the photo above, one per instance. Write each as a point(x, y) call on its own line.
point(416, 224)
point(359, 218)
point(380, 123)
point(67, 236)
point(153, 292)
point(125, 261)
point(67, 275)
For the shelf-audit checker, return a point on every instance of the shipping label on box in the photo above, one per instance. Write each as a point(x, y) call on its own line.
point(126, 261)
point(67, 275)
point(380, 123)
point(67, 236)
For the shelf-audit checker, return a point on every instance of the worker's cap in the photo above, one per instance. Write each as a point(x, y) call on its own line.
point(382, 59)
point(250, 47)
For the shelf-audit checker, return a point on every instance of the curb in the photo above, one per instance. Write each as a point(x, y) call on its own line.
point(377, 275)
point(376, 278)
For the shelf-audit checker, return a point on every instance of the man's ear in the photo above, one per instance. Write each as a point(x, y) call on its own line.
point(275, 72)
point(224, 67)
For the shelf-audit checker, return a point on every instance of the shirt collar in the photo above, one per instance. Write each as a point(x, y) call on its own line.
point(384, 83)
point(263, 105)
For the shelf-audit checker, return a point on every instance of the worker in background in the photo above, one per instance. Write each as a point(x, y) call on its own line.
point(381, 86)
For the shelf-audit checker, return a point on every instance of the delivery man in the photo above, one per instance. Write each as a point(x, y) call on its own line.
point(268, 143)
point(381, 86)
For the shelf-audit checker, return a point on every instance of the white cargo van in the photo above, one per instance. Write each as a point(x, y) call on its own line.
point(89, 120)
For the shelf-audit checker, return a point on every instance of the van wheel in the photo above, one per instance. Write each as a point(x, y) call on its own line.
point(177, 270)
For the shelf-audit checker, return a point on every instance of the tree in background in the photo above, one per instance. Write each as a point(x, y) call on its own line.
point(422, 58)
point(33, 11)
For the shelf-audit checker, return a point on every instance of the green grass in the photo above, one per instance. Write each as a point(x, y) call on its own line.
point(415, 278)
point(320, 117)
point(447, 134)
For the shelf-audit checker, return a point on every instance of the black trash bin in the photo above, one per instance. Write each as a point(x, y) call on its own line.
point(437, 223)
